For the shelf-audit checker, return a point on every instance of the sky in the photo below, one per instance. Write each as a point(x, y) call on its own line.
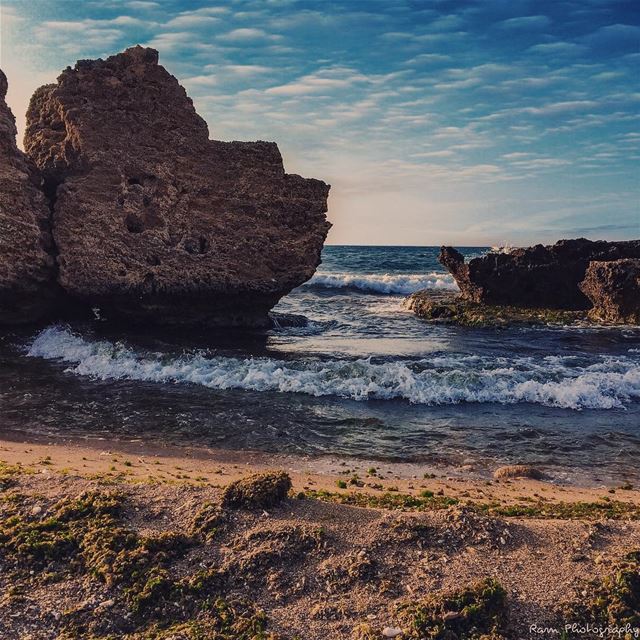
point(467, 122)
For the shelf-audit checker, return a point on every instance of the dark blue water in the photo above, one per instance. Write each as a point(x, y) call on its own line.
point(365, 378)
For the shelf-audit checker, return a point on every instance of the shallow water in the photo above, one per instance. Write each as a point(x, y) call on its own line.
point(365, 378)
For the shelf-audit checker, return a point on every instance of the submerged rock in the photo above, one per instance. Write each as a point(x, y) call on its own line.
point(539, 276)
point(27, 274)
point(614, 289)
point(155, 222)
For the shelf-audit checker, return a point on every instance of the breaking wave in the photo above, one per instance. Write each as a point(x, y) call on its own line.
point(572, 382)
point(402, 284)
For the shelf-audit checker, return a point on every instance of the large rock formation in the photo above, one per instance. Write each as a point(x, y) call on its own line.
point(152, 220)
point(539, 276)
point(614, 289)
point(27, 275)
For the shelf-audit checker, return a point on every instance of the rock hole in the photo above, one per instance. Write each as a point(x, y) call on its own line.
point(199, 246)
point(134, 181)
point(134, 224)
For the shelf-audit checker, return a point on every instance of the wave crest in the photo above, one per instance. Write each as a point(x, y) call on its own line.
point(557, 381)
point(400, 284)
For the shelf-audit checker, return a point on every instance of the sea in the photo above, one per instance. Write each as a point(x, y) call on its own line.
point(364, 378)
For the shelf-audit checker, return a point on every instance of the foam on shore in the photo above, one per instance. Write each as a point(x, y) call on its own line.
point(571, 382)
point(401, 284)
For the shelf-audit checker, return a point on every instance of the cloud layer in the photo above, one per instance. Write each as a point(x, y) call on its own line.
point(467, 122)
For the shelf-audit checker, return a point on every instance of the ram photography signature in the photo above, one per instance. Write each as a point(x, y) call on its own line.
point(577, 629)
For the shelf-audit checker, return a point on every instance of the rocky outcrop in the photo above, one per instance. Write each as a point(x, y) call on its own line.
point(27, 289)
point(614, 289)
point(539, 276)
point(448, 308)
point(152, 220)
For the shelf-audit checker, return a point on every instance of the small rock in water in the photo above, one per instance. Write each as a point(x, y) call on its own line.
point(518, 471)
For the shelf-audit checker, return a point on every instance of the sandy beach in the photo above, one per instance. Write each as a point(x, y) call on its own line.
point(306, 567)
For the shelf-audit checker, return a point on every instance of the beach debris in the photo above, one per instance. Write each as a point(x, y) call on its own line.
point(115, 562)
point(257, 490)
point(339, 574)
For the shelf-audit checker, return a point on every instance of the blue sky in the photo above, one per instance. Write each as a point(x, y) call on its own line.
point(435, 121)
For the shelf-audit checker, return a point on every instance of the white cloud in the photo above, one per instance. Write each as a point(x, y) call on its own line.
point(557, 48)
point(526, 22)
point(428, 58)
point(445, 153)
point(243, 70)
point(247, 34)
point(569, 106)
point(201, 81)
point(321, 81)
point(446, 23)
point(142, 4)
point(193, 20)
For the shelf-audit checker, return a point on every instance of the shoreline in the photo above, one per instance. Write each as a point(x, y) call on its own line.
point(150, 461)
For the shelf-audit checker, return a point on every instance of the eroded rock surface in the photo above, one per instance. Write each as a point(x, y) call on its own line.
point(27, 274)
point(614, 289)
point(539, 276)
point(153, 221)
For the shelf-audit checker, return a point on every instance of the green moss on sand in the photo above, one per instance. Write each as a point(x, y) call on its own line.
point(207, 521)
point(613, 600)
point(219, 620)
point(427, 501)
point(83, 534)
point(399, 501)
point(472, 613)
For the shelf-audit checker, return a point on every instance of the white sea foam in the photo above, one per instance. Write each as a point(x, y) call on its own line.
point(559, 381)
point(400, 284)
